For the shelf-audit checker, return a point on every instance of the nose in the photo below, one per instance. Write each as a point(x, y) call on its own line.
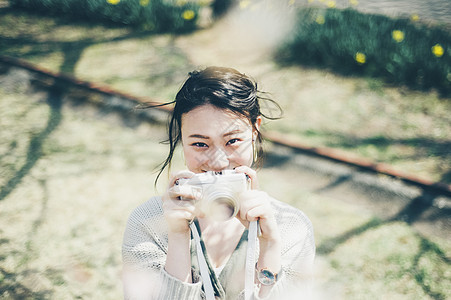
point(218, 160)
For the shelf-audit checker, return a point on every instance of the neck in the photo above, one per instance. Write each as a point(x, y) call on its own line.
point(209, 226)
point(220, 238)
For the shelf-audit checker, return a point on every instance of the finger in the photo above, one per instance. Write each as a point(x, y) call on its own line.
point(246, 206)
point(244, 222)
point(252, 174)
point(251, 198)
point(248, 200)
point(180, 174)
point(183, 203)
point(180, 215)
point(256, 213)
point(185, 192)
point(199, 212)
point(175, 205)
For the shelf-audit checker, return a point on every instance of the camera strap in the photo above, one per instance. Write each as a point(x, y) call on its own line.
point(250, 262)
point(204, 274)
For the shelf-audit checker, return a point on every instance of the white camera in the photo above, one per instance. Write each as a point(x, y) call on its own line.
point(219, 192)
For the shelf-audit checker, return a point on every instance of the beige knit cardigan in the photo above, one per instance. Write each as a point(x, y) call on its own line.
point(145, 247)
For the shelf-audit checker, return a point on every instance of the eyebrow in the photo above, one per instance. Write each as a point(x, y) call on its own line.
point(232, 132)
point(200, 136)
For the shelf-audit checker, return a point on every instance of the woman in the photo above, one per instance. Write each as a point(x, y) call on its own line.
point(216, 119)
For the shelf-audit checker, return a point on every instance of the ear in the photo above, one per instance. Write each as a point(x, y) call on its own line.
point(257, 125)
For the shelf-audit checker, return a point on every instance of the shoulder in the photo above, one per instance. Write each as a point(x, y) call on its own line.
point(288, 215)
point(147, 221)
point(294, 225)
point(145, 236)
point(148, 210)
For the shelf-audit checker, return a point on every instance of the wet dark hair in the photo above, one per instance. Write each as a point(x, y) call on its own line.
point(224, 88)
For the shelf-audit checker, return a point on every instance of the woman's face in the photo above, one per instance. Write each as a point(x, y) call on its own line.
point(214, 139)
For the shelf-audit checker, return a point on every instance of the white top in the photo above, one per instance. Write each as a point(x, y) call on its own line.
point(219, 269)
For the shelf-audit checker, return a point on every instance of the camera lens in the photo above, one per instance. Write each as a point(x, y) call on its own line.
point(222, 205)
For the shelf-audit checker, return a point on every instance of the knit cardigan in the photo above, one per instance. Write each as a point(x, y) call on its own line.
point(145, 246)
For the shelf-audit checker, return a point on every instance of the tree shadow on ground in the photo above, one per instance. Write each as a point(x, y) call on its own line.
point(273, 159)
point(72, 52)
point(34, 152)
point(425, 146)
point(11, 288)
point(28, 44)
point(335, 183)
point(13, 284)
point(412, 212)
point(409, 214)
point(446, 177)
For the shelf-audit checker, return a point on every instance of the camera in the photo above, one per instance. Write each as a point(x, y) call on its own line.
point(219, 192)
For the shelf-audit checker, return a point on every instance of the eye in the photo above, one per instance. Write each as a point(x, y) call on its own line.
point(199, 145)
point(233, 141)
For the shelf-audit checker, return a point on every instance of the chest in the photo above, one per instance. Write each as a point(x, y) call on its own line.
point(221, 242)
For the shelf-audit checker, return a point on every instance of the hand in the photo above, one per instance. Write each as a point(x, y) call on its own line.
point(178, 204)
point(256, 205)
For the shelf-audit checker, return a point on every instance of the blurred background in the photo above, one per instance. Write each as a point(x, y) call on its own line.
point(370, 80)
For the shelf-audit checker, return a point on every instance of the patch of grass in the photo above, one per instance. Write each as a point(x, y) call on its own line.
point(409, 130)
point(361, 256)
point(62, 203)
point(386, 261)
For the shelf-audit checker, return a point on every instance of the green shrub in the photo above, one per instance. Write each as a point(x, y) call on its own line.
point(157, 15)
point(221, 7)
point(349, 42)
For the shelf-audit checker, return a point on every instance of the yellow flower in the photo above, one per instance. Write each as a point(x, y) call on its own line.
point(143, 2)
point(331, 4)
point(438, 50)
point(360, 58)
point(311, 1)
point(414, 17)
point(244, 4)
point(188, 14)
point(320, 20)
point(291, 2)
point(114, 2)
point(354, 2)
point(397, 35)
